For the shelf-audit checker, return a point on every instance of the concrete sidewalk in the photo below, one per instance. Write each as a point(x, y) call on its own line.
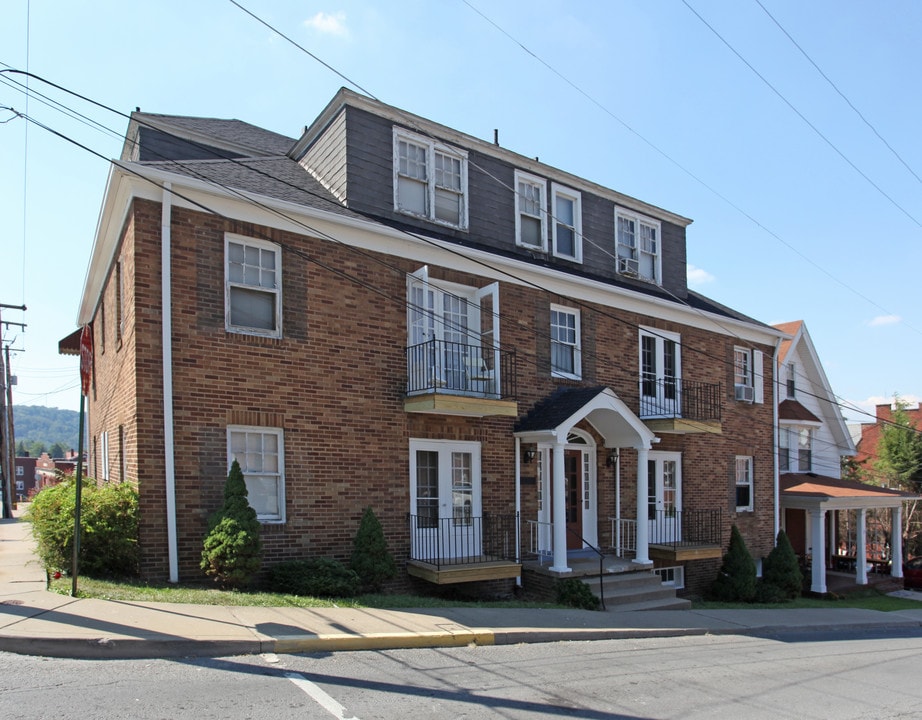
point(36, 622)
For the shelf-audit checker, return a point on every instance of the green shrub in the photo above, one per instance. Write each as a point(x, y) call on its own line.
point(736, 579)
point(576, 593)
point(232, 547)
point(370, 559)
point(319, 577)
point(108, 528)
point(781, 574)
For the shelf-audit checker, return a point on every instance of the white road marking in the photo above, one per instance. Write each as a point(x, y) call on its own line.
point(319, 696)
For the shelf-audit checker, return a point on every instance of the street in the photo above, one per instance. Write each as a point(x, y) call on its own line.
point(818, 675)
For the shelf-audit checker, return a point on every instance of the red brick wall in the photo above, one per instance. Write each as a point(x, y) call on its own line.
point(335, 383)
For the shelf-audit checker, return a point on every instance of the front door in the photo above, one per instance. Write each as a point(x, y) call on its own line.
point(572, 463)
point(445, 500)
point(664, 502)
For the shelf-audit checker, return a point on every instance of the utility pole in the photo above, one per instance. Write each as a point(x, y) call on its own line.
point(7, 439)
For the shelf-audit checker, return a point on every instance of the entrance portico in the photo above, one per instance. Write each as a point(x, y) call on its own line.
point(819, 497)
point(551, 424)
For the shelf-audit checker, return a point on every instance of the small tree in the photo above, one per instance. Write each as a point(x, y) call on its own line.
point(736, 580)
point(899, 462)
point(781, 576)
point(371, 560)
point(232, 547)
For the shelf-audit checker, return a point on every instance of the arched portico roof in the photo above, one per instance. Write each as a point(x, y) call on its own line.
point(551, 419)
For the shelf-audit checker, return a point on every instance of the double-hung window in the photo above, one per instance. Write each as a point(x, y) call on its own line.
point(744, 483)
point(565, 342)
point(260, 452)
point(747, 375)
point(430, 179)
point(795, 449)
point(253, 286)
point(791, 381)
point(530, 211)
point(568, 231)
point(637, 244)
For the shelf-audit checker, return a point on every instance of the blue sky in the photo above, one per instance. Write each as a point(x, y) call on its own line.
point(791, 222)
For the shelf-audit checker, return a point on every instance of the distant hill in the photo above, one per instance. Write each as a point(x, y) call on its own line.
point(35, 423)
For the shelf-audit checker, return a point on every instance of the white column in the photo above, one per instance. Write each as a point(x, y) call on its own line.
point(896, 542)
point(818, 540)
point(559, 492)
point(861, 545)
point(643, 525)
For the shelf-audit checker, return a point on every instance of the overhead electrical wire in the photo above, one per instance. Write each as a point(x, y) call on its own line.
point(400, 300)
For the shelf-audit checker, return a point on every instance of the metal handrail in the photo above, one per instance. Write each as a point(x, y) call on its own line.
point(679, 398)
point(442, 366)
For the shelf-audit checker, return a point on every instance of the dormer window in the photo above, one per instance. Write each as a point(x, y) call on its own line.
point(637, 244)
point(530, 212)
point(430, 179)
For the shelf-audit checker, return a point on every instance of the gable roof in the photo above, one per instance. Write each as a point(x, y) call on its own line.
point(795, 412)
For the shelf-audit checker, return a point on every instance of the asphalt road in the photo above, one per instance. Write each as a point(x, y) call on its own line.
point(804, 676)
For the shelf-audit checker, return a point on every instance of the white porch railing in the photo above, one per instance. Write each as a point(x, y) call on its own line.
point(623, 536)
point(539, 539)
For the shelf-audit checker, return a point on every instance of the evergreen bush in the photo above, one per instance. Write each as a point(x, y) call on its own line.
point(371, 560)
point(736, 579)
point(576, 593)
point(318, 577)
point(781, 576)
point(108, 528)
point(232, 548)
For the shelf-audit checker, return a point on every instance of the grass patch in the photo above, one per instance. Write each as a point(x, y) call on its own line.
point(869, 599)
point(199, 595)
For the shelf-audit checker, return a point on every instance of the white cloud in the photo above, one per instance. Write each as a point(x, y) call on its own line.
point(697, 276)
point(885, 320)
point(329, 24)
point(869, 406)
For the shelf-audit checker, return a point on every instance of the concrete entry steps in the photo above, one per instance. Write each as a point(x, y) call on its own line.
point(626, 586)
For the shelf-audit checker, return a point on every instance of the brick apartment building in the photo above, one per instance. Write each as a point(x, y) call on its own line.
point(502, 359)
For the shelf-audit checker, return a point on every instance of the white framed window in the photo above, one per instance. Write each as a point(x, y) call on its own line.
point(20, 470)
point(530, 211)
point(791, 381)
point(260, 451)
point(747, 375)
point(744, 483)
point(795, 449)
point(253, 286)
point(20, 486)
point(660, 373)
point(567, 223)
point(565, 342)
point(104, 455)
point(637, 245)
point(430, 179)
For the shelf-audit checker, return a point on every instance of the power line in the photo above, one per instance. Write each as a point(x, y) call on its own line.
point(840, 93)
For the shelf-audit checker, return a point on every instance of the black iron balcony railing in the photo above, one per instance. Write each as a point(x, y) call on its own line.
point(462, 540)
point(456, 368)
point(686, 528)
point(679, 398)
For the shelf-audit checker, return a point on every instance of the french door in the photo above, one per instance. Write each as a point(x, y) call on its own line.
point(660, 374)
point(445, 498)
point(664, 496)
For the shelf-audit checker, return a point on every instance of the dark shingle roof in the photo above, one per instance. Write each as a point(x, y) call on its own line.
point(280, 178)
point(236, 132)
point(561, 404)
point(793, 410)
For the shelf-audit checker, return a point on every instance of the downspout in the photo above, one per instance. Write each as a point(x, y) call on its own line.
point(775, 440)
point(167, 345)
point(618, 550)
point(518, 507)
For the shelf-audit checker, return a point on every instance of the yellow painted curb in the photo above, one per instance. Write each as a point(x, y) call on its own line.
point(378, 641)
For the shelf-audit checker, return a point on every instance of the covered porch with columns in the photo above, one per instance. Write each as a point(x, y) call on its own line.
point(809, 504)
point(550, 427)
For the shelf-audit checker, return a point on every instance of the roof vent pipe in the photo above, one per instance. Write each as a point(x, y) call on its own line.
point(496, 136)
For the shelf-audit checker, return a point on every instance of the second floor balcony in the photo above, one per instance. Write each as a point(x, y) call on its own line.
point(673, 404)
point(456, 378)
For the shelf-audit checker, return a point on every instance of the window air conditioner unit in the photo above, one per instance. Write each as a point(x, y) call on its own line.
point(744, 393)
point(628, 267)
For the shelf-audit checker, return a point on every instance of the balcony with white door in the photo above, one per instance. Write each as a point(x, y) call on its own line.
point(454, 378)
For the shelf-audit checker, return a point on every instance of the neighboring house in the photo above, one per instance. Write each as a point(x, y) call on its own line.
point(823, 515)
point(502, 359)
point(25, 481)
point(870, 433)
